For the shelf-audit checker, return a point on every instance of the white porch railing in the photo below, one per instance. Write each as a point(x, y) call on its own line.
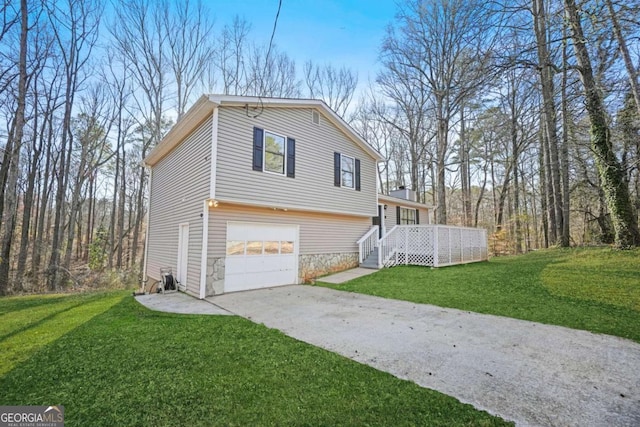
point(367, 243)
point(430, 245)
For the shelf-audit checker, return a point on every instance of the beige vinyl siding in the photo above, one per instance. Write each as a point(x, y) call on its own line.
point(319, 233)
point(390, 215)
point(179, 186)
point(313, 186)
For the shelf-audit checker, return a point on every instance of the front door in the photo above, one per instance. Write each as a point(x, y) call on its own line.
point(379, 221)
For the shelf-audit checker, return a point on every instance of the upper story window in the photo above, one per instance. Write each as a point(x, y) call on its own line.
point(273, 153)
point(346, 171)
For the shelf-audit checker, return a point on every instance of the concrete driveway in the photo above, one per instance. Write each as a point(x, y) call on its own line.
point(533, 374)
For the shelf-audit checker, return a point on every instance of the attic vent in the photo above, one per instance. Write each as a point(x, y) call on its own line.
point(315, 117)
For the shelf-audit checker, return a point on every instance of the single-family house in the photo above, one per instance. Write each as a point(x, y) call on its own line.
point(251, 192)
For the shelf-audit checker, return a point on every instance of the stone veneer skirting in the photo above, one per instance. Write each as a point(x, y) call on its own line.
point(309, 268)
point(215, 276)
point(312, 266)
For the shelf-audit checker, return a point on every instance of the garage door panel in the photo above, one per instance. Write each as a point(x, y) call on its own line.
point(254, 264)
point(286, 262)
point(260, 255)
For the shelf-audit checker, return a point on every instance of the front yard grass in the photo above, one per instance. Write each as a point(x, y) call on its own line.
point(595, 289)
point(112, 362)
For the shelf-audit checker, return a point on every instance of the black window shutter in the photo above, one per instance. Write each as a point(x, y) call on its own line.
point(291, 157)
point(398, 215)
point(417, 216)
point(336, 169)
point(357, 175)
point(258, 143)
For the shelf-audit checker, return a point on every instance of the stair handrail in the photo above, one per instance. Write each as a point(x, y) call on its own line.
point(367, 243)
point(387, 247)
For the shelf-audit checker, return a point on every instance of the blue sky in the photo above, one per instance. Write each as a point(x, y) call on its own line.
point(347, 32)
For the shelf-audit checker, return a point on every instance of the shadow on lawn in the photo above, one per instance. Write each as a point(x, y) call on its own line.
point(10, 304)
point(33, 326)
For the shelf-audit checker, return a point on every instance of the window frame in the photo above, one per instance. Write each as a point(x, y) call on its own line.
point(353, 172)
point(404, 219)
point(264, 153)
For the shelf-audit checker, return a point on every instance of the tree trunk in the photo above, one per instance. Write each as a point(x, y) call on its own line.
point(482, 190)
point(549, 114)
point(516, 187)
point(114, 200)
point(44, 198)
point(565, 239)
point(91, 208)
point(121, 209)
point(75, 214)
point(464, 171)
point(137, 227)
point(27, 209)
point(543, 191)
point(504, 191)
point(10, 194)
point(443, 129)
point(611, 174)
point(55, 278)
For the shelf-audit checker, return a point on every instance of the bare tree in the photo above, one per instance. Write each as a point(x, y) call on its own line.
point(449, 45)
point(611, 174)
point(189, 35)
point(141, 37)
point(273, 76)
point(371, 121)
point(11, 157)
point(408, 114)
point(42, 100)
point(91, 128)
point(334, 86)
point(116, 76)
point(547, 71)
point(75, 31)
point(632, 71)
point(231, 54)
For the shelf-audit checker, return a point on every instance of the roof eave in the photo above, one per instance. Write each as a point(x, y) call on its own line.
point(202, 108)
point(206, 103)
point(335, 119)
point(406, 202)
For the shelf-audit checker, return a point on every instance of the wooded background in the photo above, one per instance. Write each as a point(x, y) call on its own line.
point(522, 117)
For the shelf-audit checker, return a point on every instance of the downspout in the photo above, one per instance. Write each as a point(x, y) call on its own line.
point(145, 277)
point(205, 212)
point(205, 249)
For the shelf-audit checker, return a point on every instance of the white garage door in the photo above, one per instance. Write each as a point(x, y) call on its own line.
point(260, 256)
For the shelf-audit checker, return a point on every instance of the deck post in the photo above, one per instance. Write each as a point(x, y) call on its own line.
point(435, 246)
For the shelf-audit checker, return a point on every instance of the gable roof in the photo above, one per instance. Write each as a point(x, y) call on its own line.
point(204, 106)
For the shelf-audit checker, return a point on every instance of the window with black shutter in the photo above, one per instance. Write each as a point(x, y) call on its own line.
point(291, 157)
point(346, 171)
point(273, 153)
point(258, 144)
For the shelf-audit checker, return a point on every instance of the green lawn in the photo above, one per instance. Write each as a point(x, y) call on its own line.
point(595, 289)
point(112, 362)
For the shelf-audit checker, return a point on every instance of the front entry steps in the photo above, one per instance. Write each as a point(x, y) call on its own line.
point(371, 261)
